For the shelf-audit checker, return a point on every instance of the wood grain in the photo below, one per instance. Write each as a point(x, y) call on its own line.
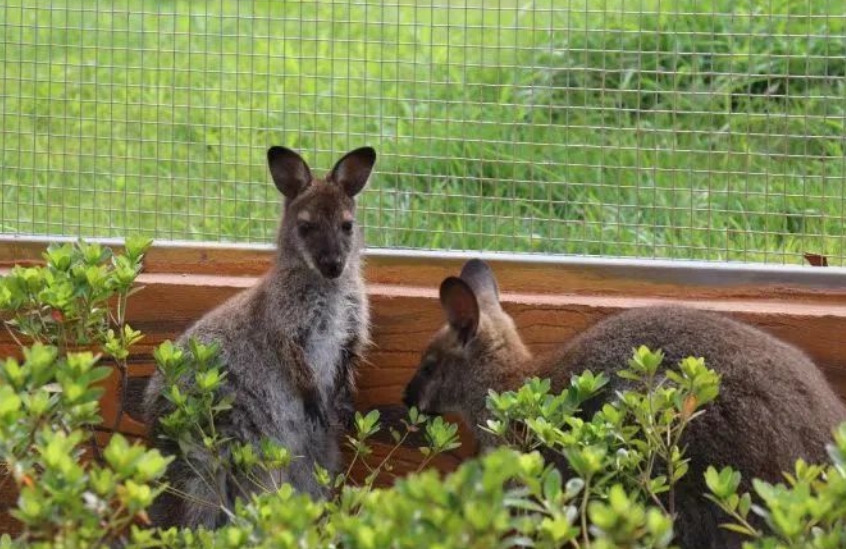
point(527, 273)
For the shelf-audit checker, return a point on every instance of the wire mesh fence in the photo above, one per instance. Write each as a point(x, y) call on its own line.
point(685, 129)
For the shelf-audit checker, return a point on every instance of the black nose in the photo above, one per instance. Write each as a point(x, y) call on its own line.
point(409, 398)
point(331, 267)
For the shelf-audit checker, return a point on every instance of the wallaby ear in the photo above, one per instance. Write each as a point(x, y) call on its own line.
point(480, 277)
point(289, 171)
point(352, 171)
point(460, 306)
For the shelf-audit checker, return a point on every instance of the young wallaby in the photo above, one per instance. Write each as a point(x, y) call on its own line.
point(774, 405)
point(290, 344)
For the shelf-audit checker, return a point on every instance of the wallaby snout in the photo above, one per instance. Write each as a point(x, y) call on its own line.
point(411, 394)
point(330, 266)
point(409, 399)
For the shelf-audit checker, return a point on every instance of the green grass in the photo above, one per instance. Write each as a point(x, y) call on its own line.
point(695, 130)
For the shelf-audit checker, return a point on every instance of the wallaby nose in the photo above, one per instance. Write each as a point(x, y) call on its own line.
point(331, 266)
point(409, 398)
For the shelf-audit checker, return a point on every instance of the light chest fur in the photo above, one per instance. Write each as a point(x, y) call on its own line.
point(332, 325)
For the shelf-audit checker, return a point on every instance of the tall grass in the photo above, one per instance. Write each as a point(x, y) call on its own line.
point(679, 128)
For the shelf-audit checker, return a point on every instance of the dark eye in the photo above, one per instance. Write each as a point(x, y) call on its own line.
point(346, 226)
point(304, 228)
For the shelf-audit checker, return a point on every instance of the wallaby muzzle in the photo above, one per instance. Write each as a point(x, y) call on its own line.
point(408, 399)
point(330, 266)
point(411, 394)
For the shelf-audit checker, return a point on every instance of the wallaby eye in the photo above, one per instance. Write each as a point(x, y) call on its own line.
point(304, 228)
point(346, 226)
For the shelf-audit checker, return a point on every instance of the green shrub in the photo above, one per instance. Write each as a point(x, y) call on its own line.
point(77, 300)
point(809, 510)
point(628, 441)
point(49, 401)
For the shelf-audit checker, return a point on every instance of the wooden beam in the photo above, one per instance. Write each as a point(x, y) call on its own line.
point(522, 273)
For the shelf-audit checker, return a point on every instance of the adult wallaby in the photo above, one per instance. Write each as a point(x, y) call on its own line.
point(774, 404)
point(290, 344)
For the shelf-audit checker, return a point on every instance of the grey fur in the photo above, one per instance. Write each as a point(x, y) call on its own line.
point(290, 344)
point(774, 407)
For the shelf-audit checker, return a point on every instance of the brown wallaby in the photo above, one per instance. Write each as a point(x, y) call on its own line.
point(774, 405)
point(290, 344)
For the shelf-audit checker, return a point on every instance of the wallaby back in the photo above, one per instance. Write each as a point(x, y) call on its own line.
point(290, 345)
point(774, 406)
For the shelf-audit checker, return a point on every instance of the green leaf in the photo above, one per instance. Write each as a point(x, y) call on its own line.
point(96, 276)
point(152, 466)
point(117, 452)
point(102, 481)
point(628, 374)
point(573, 487)
point(552, 485)
point(137, 246)
point(93, 253)
point(739, 528)
point(10, 402)
point(59, 256)
point(559, 529)
point(745, 505)
point(29, 507)
point(6, 297)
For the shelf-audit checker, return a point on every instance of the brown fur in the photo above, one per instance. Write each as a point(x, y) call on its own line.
point(290, 345)
point(774, 405)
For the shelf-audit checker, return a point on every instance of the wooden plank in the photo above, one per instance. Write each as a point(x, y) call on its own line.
point(526, 273)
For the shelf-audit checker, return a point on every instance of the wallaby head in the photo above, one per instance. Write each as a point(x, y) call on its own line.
point(318, 223)
point(477, 349)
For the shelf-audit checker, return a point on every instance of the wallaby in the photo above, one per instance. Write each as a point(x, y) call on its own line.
point(290, 344)
point(774, 406)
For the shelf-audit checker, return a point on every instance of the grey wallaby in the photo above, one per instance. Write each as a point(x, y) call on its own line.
point(290, 345)
point(774, 406)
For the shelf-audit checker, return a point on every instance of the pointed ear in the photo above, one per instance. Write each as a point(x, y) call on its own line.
point(480, 277)
point(289, 171)
point(461, 308)
point(353, 170)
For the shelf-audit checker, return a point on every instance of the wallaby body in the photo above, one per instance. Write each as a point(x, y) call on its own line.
point(289, 345)
point(774, 406)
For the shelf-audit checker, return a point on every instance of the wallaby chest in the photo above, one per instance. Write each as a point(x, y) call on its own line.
point(327, 332)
